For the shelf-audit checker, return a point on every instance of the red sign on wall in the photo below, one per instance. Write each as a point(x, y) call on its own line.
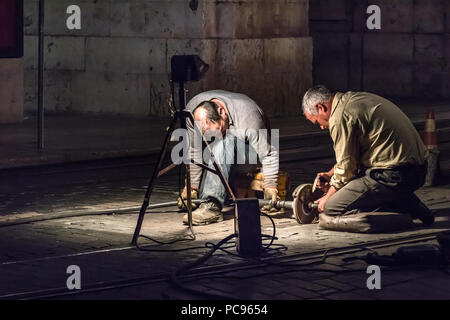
point(11, 28)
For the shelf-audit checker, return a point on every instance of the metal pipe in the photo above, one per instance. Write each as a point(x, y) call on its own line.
point(80, 213)
point(40, 113)
point(182, 106)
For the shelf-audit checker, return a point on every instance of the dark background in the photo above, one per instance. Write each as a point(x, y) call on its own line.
point(11, 30)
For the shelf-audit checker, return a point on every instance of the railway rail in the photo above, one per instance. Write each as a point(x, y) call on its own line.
point(287, 260)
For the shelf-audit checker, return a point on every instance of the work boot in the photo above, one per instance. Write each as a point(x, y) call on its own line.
point(206, 213)
point(424, 214)
point(426, 217)
point(416, 208)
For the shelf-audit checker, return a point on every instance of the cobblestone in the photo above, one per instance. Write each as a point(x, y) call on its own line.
point(309, 285)
point(90, 233)
point(347, 296)
point(334, 284)
point(301, 292)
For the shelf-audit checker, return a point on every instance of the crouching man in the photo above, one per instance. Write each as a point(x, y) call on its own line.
point(380, 162)
point(234, 120)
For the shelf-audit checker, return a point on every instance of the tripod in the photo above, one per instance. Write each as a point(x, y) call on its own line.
point(179, 115)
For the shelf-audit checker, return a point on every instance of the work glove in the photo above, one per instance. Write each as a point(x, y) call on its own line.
point(270, 193)
point(194, 195)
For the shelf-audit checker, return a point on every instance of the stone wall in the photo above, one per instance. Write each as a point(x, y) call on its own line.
point(120, 60)
point(408, 57)
point(11, 90)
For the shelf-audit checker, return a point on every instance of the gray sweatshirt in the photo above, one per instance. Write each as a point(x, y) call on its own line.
point(246, 118)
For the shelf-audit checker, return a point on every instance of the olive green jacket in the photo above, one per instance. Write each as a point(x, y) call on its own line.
point(369, 131)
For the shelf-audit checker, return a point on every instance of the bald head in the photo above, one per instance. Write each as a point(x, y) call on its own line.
point(211, 116)
point(207, 110)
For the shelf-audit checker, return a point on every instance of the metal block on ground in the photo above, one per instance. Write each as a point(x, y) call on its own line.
point(248, 227)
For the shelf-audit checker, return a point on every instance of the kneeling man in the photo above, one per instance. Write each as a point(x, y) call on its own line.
point(380, 158)
point(234, 120)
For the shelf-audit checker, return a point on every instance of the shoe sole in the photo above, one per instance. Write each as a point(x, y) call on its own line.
point(202, 223)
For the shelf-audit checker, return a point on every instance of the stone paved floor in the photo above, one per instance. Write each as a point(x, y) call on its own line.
point(22, 244)
point(35, 256)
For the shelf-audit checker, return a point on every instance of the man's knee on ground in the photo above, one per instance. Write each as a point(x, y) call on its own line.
point(366, 222)
point(331, 209)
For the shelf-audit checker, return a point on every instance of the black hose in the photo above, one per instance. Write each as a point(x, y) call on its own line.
point(174, 277)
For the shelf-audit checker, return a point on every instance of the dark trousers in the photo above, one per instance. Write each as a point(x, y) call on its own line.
point(382, 190)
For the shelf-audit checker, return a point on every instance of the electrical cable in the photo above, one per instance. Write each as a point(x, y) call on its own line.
point(207, 244)
point(219, 246)
point(389, 268)
point(303, 269)
point(174, 277)
point(214, 247)
point(165, 243)
point(274, 230)
point(224, 249)
point(162, 243)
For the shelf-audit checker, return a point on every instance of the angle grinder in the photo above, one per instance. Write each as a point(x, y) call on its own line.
point(304, 209)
